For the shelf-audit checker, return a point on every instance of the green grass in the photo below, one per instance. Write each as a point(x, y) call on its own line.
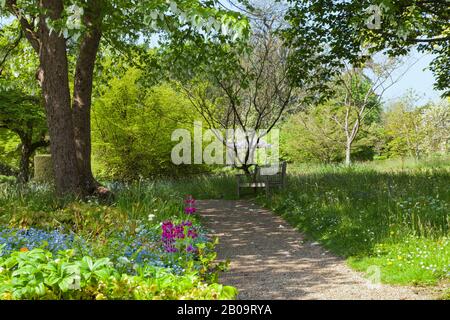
point(390, 165)
point(411, 261)
point(221, 186)
point(397, 221)
point(36, 205)
point(388, 214)
point(374, 214)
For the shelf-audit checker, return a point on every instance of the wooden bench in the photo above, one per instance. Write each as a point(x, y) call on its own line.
point(266, 177)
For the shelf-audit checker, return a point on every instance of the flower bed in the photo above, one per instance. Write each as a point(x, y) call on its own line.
point(98, 252)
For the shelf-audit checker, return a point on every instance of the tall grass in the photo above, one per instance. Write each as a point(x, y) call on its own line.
point(37, 204)
point(388, 165)
point(351, 210)
point(373, 216)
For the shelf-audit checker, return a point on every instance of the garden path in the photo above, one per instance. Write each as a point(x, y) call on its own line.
point(271, 260)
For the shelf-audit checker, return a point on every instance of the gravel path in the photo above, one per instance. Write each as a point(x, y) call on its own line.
point(270, 259)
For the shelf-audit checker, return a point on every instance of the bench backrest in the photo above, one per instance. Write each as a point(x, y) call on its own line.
point(274, 175)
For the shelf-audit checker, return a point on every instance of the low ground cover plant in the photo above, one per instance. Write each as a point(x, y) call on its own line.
point(148, 244)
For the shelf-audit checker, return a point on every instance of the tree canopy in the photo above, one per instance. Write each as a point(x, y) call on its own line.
point(332, 32)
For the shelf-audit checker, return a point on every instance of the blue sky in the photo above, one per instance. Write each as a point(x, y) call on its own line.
point(418, 78)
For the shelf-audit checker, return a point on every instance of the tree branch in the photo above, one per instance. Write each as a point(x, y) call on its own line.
point(27, 28)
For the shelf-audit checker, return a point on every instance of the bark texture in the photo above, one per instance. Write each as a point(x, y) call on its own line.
point(53, 78)
point(68, 124)
point(82, 100)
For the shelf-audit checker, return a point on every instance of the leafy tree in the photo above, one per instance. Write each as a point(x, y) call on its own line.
point(403, 125)
point(58, 29)
point(245, 88)
point(311, 135)
point(315, 134)
point(436, 124)
point(24, 116)
point(132, 128)
point(359, 91)
point(8, 152)
point(21, 110)
point(331, 33)
point(417, 131)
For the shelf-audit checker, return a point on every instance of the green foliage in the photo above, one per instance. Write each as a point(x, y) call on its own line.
point(413, 261)
point(312, 136)
point(37, 274)
point(23, 125)
point(7, 179)
point(21, 113)
point(19, 61)
point(316, 134)
point(330, 33)
point(213, 186)
point(416, 132)
point(9, 160)
point(132, 128)
point(106, 229)
point(34, 205)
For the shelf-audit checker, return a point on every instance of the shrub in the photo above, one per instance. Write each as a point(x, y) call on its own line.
point(7, 179)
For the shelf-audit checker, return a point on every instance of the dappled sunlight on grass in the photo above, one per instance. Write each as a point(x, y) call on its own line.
point(355, 212)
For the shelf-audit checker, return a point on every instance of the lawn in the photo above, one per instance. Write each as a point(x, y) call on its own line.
point(397, 221)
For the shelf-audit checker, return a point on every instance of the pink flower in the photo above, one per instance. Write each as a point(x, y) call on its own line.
point(190, 210)
point(171, 232)
point(190, 205)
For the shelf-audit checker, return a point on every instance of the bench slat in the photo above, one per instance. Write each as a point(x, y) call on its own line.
point(253, 185)
point(278, 179)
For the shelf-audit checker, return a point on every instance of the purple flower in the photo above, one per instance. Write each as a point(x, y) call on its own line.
point(171, 232)
point(190, 210)
point(190, 248)
point(190, 205)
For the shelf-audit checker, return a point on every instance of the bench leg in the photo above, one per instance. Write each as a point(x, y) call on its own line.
point(238, 191)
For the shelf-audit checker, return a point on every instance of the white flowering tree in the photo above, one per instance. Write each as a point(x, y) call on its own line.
point(436, 126)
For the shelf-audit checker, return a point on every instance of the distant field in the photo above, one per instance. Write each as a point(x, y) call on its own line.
point(389, 165)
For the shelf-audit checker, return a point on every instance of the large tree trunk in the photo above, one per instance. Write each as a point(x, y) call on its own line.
point(25, 154)
point(69, 131)
point(53, 77)
point(82, 99)
point(28, 148)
